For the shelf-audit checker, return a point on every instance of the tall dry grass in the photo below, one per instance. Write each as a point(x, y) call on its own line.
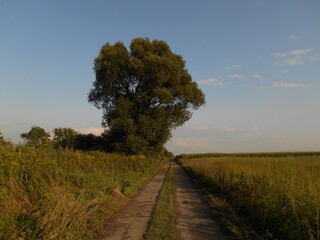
point(280, 196)
point(62, 194)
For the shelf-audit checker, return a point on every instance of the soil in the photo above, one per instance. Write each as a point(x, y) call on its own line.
point(194, 220)
point(132, 221)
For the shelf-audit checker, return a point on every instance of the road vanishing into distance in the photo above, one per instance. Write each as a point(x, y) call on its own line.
point(193, 216)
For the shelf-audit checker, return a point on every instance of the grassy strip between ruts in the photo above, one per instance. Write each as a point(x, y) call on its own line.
point(162, 225)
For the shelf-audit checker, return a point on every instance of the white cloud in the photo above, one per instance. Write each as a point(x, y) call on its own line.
point(295, 57)
point(226, 129)
point(211, 81)
point(280, 54)
point(293, 52)
point(189, 142)
point(301, 51)
point(294, 37)
point(200, 127)
point(221, 128)
point(293, 61)
point(257, 76)
point(236, 76)
point(232, 67)
point(289, 85)
point(277, 63)
point(93, 130)
point(286, 85)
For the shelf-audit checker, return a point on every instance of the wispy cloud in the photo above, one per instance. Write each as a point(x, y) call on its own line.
point(232, 67)
point(226, 129)
point(191, 142)
point(221, 128)
point(289, 85)
point(294, 37)
point(291, 58)
point(92, 130)
point(293, 52)
point(236, 76)
point(257, 76)
point(301, 51)
point(277, 63)
point(211, 82)
point(286, 85)
point(293, 61)
point(289, 62)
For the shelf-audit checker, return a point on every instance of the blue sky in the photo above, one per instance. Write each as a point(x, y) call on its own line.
point(258, 63)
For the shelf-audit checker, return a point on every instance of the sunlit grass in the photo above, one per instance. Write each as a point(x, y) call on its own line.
point(280, 195)
point(61, 194)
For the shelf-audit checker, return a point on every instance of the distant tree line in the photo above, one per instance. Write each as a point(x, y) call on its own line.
point(66, 138)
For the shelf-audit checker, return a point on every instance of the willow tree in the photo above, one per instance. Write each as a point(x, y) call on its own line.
point(145, 92)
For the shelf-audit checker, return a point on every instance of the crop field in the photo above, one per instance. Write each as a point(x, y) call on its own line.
point(277, 193)
point(65, 194)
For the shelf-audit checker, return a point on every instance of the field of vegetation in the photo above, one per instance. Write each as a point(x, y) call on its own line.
point(277, 193)
point(65, 194)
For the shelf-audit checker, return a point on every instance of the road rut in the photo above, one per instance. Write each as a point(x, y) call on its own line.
point(193, 220)
point(132, 221)
point(193, 216)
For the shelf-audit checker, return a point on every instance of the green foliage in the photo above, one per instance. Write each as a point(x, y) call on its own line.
point(64, 137)
point(145, 92)
point(133, 145)
point(87, 142)
point(36, 137)
point(278, 194)
point(4, 142)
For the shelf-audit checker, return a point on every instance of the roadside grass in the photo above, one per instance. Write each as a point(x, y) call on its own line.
point(64, 194)
point(278, 195)
point(162, 225)
point(232, 224)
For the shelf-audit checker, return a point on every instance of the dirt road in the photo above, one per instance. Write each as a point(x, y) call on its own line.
point(132, 221)
point(193, 220)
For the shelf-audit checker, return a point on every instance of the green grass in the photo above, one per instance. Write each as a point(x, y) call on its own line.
point(162, 225)
point(278, 195)
point(61, 194)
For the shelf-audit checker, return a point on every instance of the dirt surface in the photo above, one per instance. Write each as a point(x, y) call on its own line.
point(193, 219)
point(132, 221)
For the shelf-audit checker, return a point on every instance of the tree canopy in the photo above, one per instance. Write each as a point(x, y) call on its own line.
point(144, 92)
point(64, 137)
point(2, 141)
point(36, 137)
